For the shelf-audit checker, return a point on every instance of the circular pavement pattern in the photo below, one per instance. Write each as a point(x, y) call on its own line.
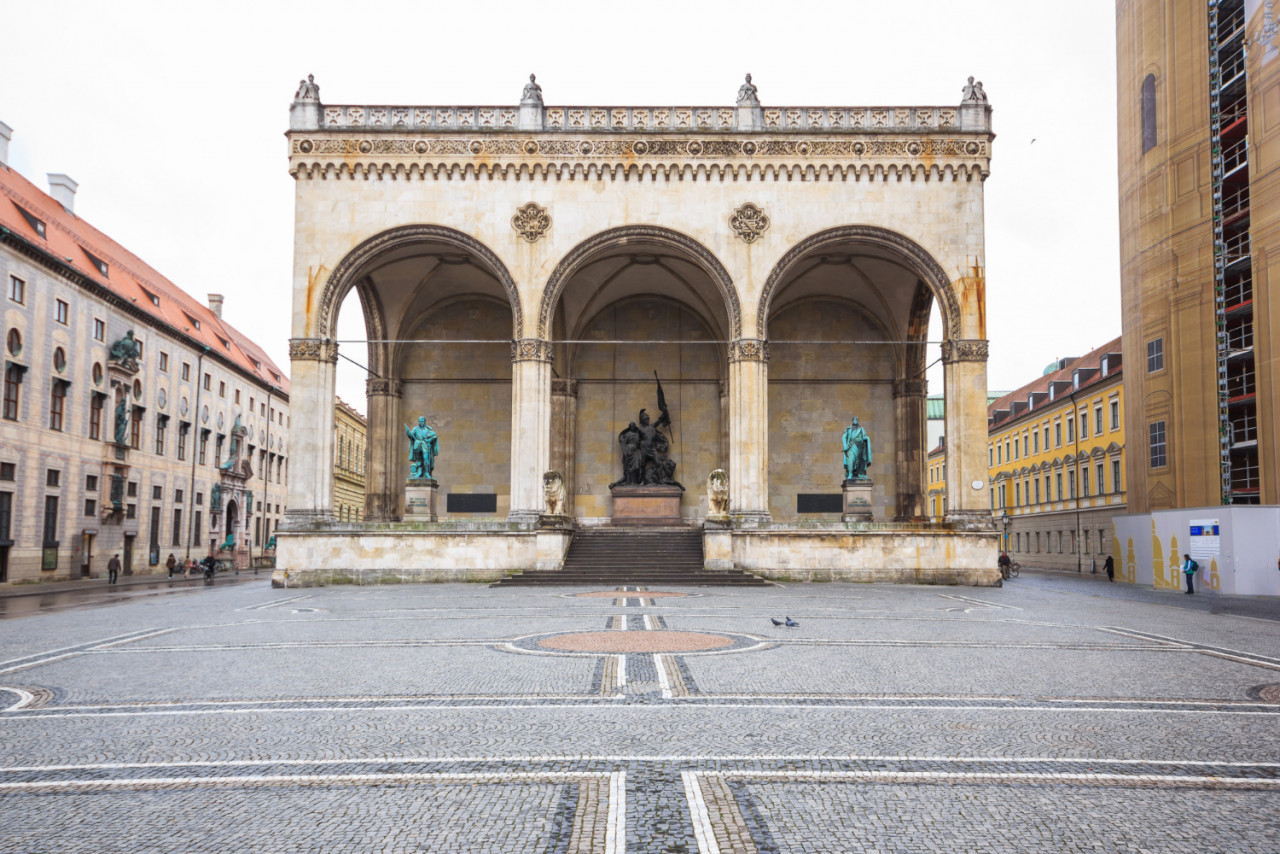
point(628, 594)
point(614, 642)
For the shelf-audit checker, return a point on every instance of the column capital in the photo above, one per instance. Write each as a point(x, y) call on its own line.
point(383, 386)
point(964, 350)
point(532, 350)
point(910, 388)
point(564, 387)
point(313, 350)
point(749, 350)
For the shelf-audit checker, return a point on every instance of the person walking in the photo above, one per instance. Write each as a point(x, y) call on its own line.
point(171, 564)
point(1110, 567)
point(113, 569)
point(1189, 568)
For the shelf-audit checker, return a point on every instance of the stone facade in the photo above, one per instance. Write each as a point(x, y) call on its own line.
point(349, 462)
point(775, 267)
point(70, 293)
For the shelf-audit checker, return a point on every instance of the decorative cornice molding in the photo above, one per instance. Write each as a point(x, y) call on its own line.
point(564, 387)
point(910, 388)
point(964, 350)
point(532, 350)
point(749, 350)
point(531, 221)
point(313, 350)
point(749, 222)
point(383, 386)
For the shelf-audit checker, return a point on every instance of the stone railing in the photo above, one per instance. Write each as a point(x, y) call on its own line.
point(969, 117)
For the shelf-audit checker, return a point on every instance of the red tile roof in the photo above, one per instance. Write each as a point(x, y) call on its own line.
point(1092, 359)
point(68, 238)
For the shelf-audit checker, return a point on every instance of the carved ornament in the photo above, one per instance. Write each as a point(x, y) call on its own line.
point(749, 350)
point(749, 222)
point(313, 350)
point(532, 350)
point(910, 388)
point(383, 386)
point(964, 350)
point(564, 387)
point(531, 221)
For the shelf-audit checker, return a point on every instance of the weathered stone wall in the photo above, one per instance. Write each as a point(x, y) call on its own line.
point(814, 391)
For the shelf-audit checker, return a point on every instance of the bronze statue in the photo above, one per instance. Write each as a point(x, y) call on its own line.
point(857, 451)
point(126, 351)
point(424, 447)
point(646, 450)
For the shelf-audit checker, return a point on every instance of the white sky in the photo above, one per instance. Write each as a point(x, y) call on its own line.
point(172, 120)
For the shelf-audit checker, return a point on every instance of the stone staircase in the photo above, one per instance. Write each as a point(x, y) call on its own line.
point(642, 556)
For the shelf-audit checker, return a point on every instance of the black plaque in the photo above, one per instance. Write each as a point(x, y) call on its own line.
point(819, 503)
point(471, 502)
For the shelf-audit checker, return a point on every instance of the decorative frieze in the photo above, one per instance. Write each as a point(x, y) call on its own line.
point(749, 222)
point(964, 350)
point(531, 221)
point(313, 350)
point(910, 388)
point(383, 386)
point(532, 350)
point(749, 350)
point(564, 387)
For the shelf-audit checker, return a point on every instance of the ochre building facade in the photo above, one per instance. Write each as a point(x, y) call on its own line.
point(525, 271)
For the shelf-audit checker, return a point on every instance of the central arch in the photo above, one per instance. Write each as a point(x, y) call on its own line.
point(654, 235)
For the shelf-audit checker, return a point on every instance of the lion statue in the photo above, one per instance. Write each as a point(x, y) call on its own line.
point(718, 494)
point(553, 490)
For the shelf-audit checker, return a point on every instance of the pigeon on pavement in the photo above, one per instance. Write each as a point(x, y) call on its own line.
point(792, 623)
point(776, 622)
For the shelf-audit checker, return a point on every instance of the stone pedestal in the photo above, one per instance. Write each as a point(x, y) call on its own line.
point(857, 500)
point(646, 505)
point(554, 534)
point(420, 500)
point(717, 543)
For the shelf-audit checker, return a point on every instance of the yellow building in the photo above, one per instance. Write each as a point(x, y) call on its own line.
point(937, 477)
point(1056, 456)
point(349, 442)
point(1199, 147)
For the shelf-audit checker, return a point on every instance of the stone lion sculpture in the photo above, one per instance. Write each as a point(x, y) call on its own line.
point(553, 490)
point(718, 493)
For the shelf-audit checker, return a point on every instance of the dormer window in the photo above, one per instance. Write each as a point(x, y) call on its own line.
point(155, 300)
point(96, 261)
point(195, 324)
point(226, 345)
point(37, 225)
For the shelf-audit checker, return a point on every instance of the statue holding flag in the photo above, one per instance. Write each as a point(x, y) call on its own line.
point(646, 450)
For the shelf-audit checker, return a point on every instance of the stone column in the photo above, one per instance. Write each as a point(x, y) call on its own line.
point(312, 372)
point(749, 431)
point(386, 444)
point(965, 365)
point(530, 426)
point(909, 397)
point(564, 420)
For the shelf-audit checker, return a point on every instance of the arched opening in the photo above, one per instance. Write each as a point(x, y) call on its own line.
point(623, 306)
point(230, 523)
point(847, 314)
point(439, 311)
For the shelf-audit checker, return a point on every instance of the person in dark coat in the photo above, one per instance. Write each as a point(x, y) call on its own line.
point(171, 564)
point(1110, 567)
point(1189, 568)
point(113, 569)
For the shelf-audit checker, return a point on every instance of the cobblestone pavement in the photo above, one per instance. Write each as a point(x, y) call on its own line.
point(1049, 715)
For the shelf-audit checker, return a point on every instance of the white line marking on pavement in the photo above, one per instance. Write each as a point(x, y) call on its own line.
point(622, 672)
point(115, 643)
point(78, 649)
point(303, 779)
point(999, 777)
point(615, 837)
point(265, 605)
point(649, 624)
point(702, 830)
point(663, 682)
point(25, 698)
point(383, 759)
point(620, 621)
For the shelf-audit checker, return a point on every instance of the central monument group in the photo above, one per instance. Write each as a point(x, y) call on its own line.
point(536, 281)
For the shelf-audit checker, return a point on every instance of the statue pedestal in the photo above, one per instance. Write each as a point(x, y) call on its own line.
point(554, 533)
point(717, 543)
point(658, 504)
point(857, 500)
point(420, 500)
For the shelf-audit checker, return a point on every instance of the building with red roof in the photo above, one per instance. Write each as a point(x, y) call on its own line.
point(136, 420)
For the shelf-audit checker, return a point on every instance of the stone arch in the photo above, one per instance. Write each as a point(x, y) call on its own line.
point(924, 264)
point(621, 236)
point(351, 269)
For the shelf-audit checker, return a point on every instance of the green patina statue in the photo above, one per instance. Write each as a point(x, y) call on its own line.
point(271, 543)
point(857, 451)
point(423, 449)
point(122, 421)
point(126, 351)
point(229, 544)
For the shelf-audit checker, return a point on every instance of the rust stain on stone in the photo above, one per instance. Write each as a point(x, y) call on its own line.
point(315, 275)
point(973, 296)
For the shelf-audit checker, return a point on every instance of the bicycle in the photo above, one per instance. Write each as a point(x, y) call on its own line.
point(1010, 571)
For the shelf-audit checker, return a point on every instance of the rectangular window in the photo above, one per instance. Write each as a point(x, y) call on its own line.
point(61, 311)
point(1035, 441)
point(12, 389)
point(157, 493)
point(135, 430)
point(1071, 429)
point(186, 372)
point(1006, 450)
point(132, 489)
point(17, 290)
point(1086, 541)
point(164, 362)
point(1017, 494)
point(1102, 481)
point(177, 496)
point(1084, 481)
point(1037, 482)
point(90, 508)
point(162, 424)
point(204, 446)
point(222, 389)
point(237, 396)
point(199, 499)
point(91, 483)
point(1115, 476)
point(207, 380)
point(57, 404)
point(1097, 420)
point(1155, 355)
point(1024, 445)
point(50, 521)
point(183, 430)
point(1057, 434)
point(1071, 484)
point(95, 415)
point(998, 460)
point(131, 511)
point(195, 529)
point(1084, 425)
point(1156, 443)
point(177, 527)
point(991, 456)
point(1046, 437)
point(217, 449)
point(99, 330)
point(53, 478)
point(1115, 415)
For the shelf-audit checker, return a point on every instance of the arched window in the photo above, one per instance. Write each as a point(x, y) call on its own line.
point(1148, 113)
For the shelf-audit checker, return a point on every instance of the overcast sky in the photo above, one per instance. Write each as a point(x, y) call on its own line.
point(172, 120)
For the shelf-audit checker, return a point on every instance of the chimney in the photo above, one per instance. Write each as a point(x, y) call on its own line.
point(215, 304)
point(6, 133)
point(63, 190)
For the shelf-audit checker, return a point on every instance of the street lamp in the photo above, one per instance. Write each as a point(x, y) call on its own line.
point(1004, 522)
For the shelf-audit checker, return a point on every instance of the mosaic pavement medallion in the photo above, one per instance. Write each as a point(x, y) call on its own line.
point(621, 642)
